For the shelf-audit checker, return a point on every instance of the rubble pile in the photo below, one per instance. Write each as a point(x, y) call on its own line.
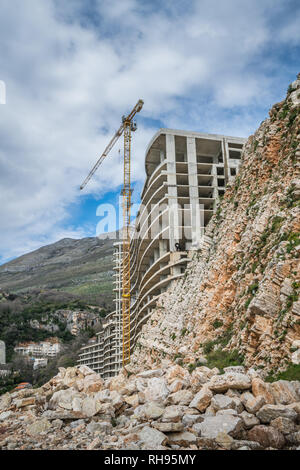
point(155, 409)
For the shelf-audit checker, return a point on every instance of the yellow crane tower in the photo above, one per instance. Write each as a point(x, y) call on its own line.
point(127, 126)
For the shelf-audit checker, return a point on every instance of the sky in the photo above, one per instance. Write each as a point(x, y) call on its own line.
point(72, 68)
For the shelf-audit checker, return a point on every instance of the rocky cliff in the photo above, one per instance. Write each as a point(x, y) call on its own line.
point(240, 292)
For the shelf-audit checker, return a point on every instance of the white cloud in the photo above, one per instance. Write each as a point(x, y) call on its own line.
point(71, 72)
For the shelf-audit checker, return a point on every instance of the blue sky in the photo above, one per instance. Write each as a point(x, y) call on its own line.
point(72, 68)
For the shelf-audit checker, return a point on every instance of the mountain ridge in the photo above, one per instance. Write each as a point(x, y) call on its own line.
point(83, 267)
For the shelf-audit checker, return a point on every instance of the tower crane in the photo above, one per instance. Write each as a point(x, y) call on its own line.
point(127, 126)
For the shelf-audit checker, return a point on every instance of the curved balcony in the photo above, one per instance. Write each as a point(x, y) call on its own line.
point(160, 179)
point(141, 251)
point(160, 272)
point(155, 173)
point(160, 193)
point(153, 300)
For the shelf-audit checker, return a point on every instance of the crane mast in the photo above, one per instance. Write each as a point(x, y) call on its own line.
point(127, 126)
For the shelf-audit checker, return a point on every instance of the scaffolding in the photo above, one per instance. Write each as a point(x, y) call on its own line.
point(128, 126)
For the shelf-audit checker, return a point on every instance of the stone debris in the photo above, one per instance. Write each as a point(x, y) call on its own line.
point(267, 436)
point(230, 380)
point(59, 416)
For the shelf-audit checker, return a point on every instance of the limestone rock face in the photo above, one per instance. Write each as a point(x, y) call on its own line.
point(199, 378)
point(224, 440)
point(132, 400)
point(240, 292)
point(188, 420)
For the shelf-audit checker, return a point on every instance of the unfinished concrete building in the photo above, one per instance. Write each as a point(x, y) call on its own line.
point(186, 174)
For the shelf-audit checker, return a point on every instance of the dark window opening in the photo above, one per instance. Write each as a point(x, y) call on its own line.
point(204, 159)
point(180, 157)
point(235, 154)
point(235, 146)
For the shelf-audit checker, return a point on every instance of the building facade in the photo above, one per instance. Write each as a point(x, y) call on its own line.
point(186, 174)
point(48, 348)
point(2, 353)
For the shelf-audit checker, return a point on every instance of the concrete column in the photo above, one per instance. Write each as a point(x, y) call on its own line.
point(174, 231)
point(175, 270)
point(163, 247)
point(162, 156)
point(226, 159)
point(196, 214)
point(215, 184)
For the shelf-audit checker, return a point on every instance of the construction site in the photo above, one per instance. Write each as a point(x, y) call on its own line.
point(186, 175)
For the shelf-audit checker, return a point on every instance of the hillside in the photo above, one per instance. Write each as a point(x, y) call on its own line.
point(238, 301)
point(38, 315)
point(80, 267)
